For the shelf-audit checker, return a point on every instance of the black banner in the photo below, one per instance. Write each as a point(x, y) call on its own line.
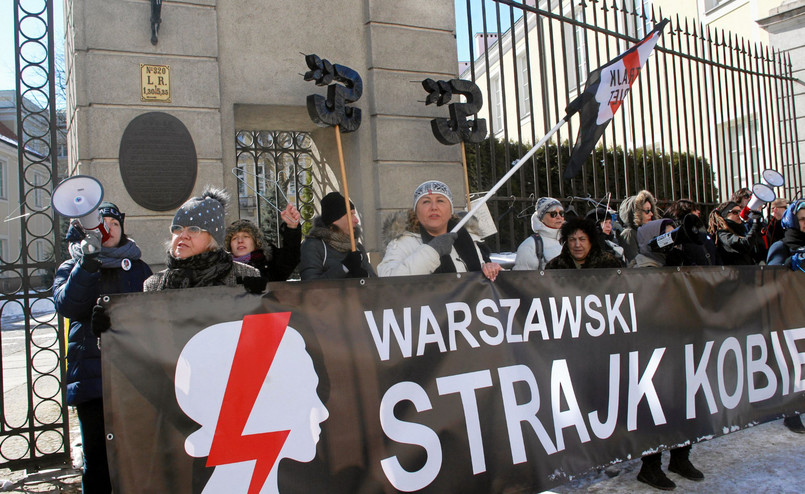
point(445, 383)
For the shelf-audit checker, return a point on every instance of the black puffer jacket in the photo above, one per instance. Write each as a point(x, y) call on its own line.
point(736, 249)
point(75, 292)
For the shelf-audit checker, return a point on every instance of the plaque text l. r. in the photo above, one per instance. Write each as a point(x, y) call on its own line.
point(156, 82)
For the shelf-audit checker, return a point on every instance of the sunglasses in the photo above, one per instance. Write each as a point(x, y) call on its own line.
point(736, 212)
point(554, 214)
point(648, 211)
point(191, 230)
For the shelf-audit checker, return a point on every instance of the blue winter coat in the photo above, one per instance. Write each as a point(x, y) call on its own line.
point(75, 292)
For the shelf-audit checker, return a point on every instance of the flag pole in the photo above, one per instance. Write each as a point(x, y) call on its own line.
point(509, 174)
point(466, 174)
point(346, 188)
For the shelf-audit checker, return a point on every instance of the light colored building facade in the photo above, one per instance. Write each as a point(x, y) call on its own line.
point(786, 27)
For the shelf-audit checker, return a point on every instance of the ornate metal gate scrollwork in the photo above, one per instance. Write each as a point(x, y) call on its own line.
point(279, 167)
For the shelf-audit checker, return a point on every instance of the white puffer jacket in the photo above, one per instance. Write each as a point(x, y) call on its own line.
point(406, 255)
point(526, 258)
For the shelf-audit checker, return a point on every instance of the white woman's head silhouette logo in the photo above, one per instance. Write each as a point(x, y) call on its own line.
point(251, 385)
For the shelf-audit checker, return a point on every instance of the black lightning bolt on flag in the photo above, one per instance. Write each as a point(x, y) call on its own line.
point(604, 92)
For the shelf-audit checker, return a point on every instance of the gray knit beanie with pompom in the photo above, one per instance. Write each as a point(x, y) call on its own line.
point(206, 212)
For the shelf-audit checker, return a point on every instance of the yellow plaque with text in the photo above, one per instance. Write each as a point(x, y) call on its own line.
point(156, 82)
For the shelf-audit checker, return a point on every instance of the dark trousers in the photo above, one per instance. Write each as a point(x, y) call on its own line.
point(95, 478)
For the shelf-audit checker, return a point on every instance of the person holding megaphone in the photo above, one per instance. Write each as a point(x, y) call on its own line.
point(99, 264)
point(735, 246)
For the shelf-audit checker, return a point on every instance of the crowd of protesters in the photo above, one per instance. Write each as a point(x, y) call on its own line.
point(203, 251)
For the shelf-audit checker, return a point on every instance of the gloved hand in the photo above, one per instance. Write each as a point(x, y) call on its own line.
point(253, 284)
point(798, 260)
point(91, 248)
point(755, 215)
point(100, 321)
point(443, 244)
point(353, 264)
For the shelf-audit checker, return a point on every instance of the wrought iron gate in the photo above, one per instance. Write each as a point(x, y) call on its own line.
point(275, 168)
point(708, 114)
point(34, 425)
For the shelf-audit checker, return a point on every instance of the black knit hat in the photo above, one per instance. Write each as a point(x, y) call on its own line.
point(333, 207)
point(110, 210)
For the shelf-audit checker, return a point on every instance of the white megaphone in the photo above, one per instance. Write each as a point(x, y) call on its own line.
point(773, 178)
point(78, 197)
point(761, 194)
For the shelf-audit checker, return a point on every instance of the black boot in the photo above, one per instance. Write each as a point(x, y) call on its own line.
point(794, 424)
point(681, 465)
point(651, 473)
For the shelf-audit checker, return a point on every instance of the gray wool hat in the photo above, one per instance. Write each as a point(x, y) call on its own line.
point(206, 212)
point(545, 204)
point(433, 187)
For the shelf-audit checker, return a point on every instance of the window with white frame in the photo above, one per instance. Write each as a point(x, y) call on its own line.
point(639, 25)
point(497, 104)
point(525, 89)
point(3, 248)
point(39, 193)
point(575, 54)
point(742, 148)
point(712, 4)
point(3, 179)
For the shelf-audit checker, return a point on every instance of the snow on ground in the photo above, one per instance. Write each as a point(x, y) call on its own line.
point(11, 311)
point(767, 458)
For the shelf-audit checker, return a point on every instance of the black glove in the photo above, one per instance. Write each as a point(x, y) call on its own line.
point(755, 215)
point(353, 264)
point(443, 243)
point(100, 321)
point(253, 284)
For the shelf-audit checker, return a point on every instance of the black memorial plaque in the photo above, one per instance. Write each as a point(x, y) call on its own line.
point(158, 161)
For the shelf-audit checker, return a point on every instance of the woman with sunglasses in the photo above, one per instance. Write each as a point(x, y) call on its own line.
point(634, 212)
point(196, 254)
point(535, 252)
point(735, 246)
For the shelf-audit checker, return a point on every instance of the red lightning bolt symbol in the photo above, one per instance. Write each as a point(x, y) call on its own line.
point(260, 335)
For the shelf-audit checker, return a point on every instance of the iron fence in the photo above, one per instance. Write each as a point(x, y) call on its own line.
point(709, 113)
point(34, 423)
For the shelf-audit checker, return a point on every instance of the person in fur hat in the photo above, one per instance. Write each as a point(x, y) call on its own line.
point(790, 252)
point(651, 469)
point(635, 211)
point(420, 240)
point(246, 243)
point(196, 254)
point(543, 245)
point(326, 251)
point(96, 267)
point(580, 248)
